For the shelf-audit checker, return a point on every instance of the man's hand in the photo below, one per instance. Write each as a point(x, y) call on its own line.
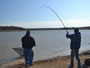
point(67, 32)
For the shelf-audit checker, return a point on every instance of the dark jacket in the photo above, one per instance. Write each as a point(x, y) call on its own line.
point(28, 42)
point(75, 40)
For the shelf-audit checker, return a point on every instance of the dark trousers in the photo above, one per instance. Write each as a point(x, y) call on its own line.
point(75, 52)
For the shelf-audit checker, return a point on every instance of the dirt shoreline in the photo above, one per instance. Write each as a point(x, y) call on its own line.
point(58, 62)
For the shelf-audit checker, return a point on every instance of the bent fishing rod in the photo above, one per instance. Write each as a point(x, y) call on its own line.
point(56, 15)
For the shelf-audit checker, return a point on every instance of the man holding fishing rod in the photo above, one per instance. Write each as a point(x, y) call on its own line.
point(74, 46)
point(75, 41)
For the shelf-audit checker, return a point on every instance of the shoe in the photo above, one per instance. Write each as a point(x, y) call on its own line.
point(26, 66)
point(30, 65)
point(70, 66)
point(79, 67)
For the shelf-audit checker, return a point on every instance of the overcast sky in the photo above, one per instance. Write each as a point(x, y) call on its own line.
point(29, 14)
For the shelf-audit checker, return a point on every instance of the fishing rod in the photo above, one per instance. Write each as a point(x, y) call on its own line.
point(56, 15)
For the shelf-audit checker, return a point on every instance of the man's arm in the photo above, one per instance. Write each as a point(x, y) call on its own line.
point(68, 36)
point(34, 43)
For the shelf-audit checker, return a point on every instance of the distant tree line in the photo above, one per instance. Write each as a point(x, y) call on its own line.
point(15, 28)
point(7, 28)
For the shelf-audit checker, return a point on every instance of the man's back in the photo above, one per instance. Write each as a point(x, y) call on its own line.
point(28, 42)
point(75, 40)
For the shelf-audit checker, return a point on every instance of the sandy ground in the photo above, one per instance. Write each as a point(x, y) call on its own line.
point(58, 62)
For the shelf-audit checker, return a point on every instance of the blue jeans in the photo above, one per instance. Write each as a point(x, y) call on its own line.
point(28, 55)
point(75, 52)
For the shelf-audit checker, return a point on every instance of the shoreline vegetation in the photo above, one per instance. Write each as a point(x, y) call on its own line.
point(16, 28)
point(57, 62)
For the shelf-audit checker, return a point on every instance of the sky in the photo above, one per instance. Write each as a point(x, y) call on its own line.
point(32, 14)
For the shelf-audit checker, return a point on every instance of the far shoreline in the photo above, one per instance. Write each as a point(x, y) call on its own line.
point(16, 28)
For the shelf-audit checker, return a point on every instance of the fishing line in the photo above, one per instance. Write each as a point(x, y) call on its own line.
point(56, 15)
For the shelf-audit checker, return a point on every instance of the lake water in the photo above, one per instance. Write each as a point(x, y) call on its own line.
point(49, 43)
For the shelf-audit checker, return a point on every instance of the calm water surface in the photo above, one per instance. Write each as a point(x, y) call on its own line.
point(49, 43)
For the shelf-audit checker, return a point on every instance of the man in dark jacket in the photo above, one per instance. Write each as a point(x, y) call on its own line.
point(28, 43)
point(74, 46)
